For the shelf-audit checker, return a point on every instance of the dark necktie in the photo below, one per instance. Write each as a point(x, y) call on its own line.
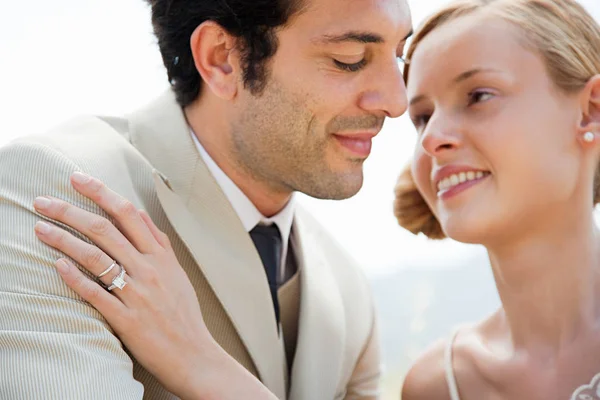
point(268, 243)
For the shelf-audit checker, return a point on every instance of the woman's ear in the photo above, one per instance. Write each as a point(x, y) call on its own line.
point(215, 57)
point(590, 107)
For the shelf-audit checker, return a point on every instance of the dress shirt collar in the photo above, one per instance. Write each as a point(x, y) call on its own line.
point(244, 208)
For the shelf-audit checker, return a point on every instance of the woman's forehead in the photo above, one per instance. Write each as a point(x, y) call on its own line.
point(466, 43)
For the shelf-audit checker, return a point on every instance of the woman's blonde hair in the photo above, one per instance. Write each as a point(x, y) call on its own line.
point(561, 31)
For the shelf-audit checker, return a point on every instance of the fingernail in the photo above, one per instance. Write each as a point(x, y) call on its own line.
point(42, 227)
point(42, 203)
point(62, 267)
point(81, 178)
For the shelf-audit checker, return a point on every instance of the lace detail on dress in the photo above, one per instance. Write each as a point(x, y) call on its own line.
point(588, 392)
point(450, 377)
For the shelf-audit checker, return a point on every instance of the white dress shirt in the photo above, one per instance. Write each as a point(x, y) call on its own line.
point(246, 210)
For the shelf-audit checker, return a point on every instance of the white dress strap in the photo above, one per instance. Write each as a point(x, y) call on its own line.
point(450, 377)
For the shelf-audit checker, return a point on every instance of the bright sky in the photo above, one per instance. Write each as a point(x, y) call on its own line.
point(61, 58)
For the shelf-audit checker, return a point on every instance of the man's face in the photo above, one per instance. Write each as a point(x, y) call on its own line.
point(333, 80)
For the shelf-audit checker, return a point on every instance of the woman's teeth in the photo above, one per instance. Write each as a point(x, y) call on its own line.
point(457, 179)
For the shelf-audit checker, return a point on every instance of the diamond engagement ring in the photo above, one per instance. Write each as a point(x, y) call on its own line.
point(118, 281)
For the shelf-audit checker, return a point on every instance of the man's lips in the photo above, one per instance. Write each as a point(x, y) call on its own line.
point(359, 144)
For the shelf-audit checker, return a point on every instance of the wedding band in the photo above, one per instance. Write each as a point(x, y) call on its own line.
point(118, 281)
point(107, 270)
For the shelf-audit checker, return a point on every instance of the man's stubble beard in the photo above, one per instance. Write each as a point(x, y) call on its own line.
point(278, 141)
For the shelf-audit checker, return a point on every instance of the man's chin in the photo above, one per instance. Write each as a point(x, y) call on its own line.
point(341, 188)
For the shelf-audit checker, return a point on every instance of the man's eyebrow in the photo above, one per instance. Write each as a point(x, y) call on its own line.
point(355, 36)
point(351, 36)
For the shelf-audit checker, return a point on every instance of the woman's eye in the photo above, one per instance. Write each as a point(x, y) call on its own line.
point(420, 121)
point(350, 67)
point(479, 96)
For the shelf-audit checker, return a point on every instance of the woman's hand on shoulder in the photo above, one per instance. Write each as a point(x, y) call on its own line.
point(426, 379)
point(146, 297)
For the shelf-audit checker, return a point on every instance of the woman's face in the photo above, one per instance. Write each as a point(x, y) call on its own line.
point(497, 153)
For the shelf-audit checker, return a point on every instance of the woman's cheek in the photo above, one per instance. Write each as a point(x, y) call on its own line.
point(421, 170)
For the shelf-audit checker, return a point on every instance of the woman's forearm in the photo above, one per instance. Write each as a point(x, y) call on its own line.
point(220, 377)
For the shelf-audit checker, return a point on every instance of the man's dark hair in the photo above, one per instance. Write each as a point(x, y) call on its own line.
point(252, 21)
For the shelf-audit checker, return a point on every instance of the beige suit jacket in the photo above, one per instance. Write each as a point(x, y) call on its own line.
point(53, 345)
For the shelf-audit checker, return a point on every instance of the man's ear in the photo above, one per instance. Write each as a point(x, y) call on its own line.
point(590, 106)
point(215, 57)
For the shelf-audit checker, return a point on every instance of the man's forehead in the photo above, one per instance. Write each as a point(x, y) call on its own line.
point(331, 19)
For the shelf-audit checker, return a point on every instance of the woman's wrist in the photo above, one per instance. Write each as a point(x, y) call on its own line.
point(218, 376)
point(207, 362)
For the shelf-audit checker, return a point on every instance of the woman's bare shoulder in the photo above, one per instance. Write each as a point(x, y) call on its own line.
point(426, 379)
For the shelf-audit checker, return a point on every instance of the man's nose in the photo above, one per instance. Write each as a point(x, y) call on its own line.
point(386, 94)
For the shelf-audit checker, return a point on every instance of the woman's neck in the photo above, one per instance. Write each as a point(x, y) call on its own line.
point(549, 285)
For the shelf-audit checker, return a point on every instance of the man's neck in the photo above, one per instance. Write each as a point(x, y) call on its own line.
point(211, 127)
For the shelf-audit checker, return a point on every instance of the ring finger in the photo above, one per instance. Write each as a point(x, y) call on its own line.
point(90, 257)
point(98, 229)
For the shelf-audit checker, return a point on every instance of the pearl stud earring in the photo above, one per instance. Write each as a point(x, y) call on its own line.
point(589, 137)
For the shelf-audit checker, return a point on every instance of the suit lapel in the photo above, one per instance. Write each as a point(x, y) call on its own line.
point(212, 232)
point(321, 336)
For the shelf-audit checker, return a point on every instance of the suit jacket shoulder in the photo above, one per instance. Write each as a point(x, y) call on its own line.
point(41, 316)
